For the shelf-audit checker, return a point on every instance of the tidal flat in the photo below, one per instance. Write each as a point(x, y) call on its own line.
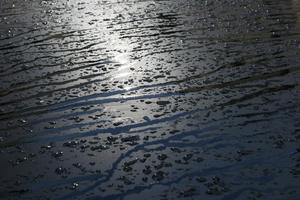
point(159, 99)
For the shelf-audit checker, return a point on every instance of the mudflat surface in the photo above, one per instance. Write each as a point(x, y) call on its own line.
point(150, 99)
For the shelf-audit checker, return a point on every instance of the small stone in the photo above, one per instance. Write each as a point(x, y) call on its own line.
point(130, 138)
point(99, 147)
point(188, 193)
point(201, 179)
point(213, 191)
point(60, 170)
point(74, 186)
point(199, 159)
point(147, 170)
point(187, 157)
point(162, 157)
point(158, 176)
point(295, 171)
point(244, 152)
point(147, 155)
point(127, 168)
point(118, 123)
point(58, 154)
point(71, 144)
point(145, 179)
point(162, 103)
point(131, 162)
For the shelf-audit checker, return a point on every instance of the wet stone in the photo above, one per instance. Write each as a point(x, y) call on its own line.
point(130, 138)
point(178, 161)
point(146, 138)
point(145, 179)
point(295, 171)
point(93, 142)
point(162, 103)
point(148, 80)
point(133, 143)
point(162, 157)
point(159, 166)
point(77, 165)
point(22, 121)
point(147, 170)
point(22, 191)
point(61, 170)
point(57, 154)
point(199, 159)
point(132, 162)
point(48, 147)
point(275, 35)
point(187, 157)
point(244, 152)
point(99, 147)
point(218, 181)
point(49, 127)
point(158, 176)
point(174, 148)
point(188, 193)
point(127, 168)
point(32, 155)
point(177, 150)
point(85, 146)
point(125, 180)
point(18, 182)
point(201, 179)
point(111, 138)
point(117, 123)
point(279, 144)
point(71, 144)
point(74, 186)
point(147, 155)
point(168, 164)
point(213, 191)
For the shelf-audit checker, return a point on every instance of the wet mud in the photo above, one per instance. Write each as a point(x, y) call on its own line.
point(129, 99)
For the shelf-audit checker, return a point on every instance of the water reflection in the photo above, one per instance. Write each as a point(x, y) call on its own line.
point(129, 99)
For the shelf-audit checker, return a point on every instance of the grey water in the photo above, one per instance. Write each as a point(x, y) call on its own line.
point(161, 99)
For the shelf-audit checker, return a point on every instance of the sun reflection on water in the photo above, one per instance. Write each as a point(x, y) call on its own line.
point(124, 63)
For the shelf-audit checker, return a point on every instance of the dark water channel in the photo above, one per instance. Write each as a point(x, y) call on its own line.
point(128, 99)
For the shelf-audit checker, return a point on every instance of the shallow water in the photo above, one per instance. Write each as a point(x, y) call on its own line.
point(149, 99)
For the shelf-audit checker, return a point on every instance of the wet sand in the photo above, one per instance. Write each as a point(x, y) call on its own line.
point(150, 99)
